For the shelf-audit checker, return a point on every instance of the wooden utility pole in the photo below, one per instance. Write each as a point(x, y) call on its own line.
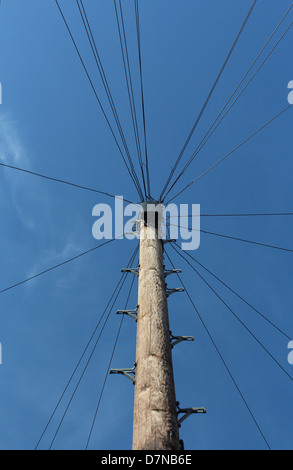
point(155, 416)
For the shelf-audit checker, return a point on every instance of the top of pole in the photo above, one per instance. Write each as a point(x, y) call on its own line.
point(151, 213)
point(146, 204)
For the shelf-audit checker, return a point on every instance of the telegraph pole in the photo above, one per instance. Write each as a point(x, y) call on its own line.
point(156, 420)
point(155, 424)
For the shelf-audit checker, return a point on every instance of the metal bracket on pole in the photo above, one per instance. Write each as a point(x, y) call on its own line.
point(178, 339)
point(134, 271)
point(188, 412)
point(173, 291)
point(126, 372)
point(133, 233)
point(130, 313)
point(135, 225)
point(172, 271)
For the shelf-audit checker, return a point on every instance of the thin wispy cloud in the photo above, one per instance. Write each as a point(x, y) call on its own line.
point(13, 152)
point(52, 256)
point(11, 148)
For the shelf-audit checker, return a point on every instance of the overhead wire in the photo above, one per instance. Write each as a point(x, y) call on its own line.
point(232, 151)
point(58, 180)
point(221, 357)
point(272, 214)
point(187, 261)
point(85, 350)
point(231, 290)
point(55, 267)
point(136, 6)
point(128, 78)
point(237, 239)
point(217, 122)
point(97, 98)
point(207, 100)
point(101, 70)
point(109, 367)
point(89, 359)
point(238, 318)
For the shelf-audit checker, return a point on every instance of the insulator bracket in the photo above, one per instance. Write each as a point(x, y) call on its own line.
point(130, 313)
point(129, 373)
point(172, 271)
point(178, 339)
point(188, 412)
point(173, 291)
point(134, 271)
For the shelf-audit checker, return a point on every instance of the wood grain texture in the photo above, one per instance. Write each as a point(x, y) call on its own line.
point(155, 418)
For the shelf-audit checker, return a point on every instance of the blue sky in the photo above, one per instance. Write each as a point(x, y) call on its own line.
point(50, 123)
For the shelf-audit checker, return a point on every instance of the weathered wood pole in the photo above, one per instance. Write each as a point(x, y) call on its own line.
point(155, 416)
